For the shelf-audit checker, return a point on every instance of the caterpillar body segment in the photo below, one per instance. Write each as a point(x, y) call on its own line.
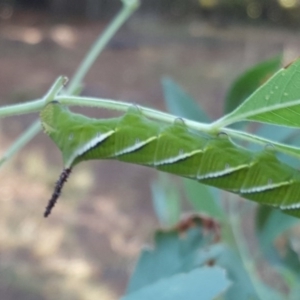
point(176, 149)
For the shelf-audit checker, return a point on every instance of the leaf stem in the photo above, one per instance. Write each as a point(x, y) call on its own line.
point(21, 108)
point(123, 106)
point(35, 105)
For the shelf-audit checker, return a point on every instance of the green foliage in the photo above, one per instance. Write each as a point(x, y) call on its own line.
point(180, 104)
point(210, 205)
point(242, 266)
point(173, 269)
point(248, 82)
point(205, 282)
point(275, 102)
point(182, 254)
point(166, 201)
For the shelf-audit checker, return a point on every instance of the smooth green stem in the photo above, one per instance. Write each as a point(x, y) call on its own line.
point(22, 108)
point(128, 8)
point(21, 141)
point(35, 105)
point(123, 106)
point(287, 149)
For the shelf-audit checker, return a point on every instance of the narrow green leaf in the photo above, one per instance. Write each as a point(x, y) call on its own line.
point(249, 81)
point(166, 201)
point(181, 104)
point(202, 199)
point(204, 283)
point(275, 102)
point(242, 287)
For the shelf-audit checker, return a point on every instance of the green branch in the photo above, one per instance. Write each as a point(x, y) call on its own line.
point(36, 105)
point(123, 106)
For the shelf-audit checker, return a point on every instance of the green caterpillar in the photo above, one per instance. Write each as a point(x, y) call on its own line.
point(176, 149)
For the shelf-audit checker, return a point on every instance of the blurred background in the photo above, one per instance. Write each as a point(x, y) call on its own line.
point(88, 246)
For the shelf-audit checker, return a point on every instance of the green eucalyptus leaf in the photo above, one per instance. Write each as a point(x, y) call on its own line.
point(249, 81)
point(205, 283)
point(181, 104)
point(242, 287)
point(202, 199)
point(166, 200)
point(276, 102)
point(173, 253)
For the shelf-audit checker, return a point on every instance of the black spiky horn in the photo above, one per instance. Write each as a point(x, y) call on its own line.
point(57, 191)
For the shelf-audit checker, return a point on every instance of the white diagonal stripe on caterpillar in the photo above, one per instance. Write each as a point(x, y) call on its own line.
point(134, 147)
point(90, 144)
point(291, 206)
point(262, 188)
point(175, 159)
point(221, 173)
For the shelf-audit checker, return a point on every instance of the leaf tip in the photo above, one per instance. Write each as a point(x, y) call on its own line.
point(291, 63)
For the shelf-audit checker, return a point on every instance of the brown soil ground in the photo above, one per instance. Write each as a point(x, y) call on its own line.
point(88, 247)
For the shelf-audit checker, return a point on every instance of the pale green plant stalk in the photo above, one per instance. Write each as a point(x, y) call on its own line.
point(129, 6)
